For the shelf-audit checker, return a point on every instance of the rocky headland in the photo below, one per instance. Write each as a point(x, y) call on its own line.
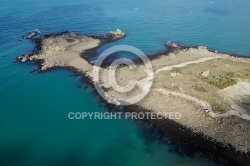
point(210, 89)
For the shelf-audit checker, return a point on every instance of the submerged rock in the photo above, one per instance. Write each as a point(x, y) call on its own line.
point(32, 34)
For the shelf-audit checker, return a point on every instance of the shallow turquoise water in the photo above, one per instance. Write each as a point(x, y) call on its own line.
point(34, 126)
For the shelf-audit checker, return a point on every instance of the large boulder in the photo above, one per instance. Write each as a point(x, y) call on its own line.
point(117, 33)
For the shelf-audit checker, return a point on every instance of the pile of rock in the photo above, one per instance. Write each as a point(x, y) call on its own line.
point(23, 58)
point(117, 33)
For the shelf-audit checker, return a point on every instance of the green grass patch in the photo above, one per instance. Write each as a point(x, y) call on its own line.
point(176, 70)
point(219, 107)
point(221, 81)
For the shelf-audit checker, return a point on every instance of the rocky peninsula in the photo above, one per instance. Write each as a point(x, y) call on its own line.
point(210, 89)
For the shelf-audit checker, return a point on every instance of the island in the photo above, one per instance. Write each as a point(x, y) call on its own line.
point(210, 89)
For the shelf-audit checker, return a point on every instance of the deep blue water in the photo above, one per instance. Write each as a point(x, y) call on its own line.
point(34, 126)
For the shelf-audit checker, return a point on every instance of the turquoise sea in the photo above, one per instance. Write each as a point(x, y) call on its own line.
point(34, 125)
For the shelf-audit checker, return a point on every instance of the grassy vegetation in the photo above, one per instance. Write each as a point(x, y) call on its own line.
point(218, 106)
point(223, 73)
point(221, 81)
point(176, 70)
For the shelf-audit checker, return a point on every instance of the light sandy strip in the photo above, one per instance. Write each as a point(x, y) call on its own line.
point(205, 105)
point(187, 63)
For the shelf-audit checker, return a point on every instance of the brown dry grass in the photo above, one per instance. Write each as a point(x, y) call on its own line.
point(223, 73)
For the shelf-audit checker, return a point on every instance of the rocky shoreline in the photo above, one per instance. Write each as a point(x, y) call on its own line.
point(53, 52)
point(188, 142)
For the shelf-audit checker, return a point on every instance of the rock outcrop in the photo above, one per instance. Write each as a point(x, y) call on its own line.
point(32, 34)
